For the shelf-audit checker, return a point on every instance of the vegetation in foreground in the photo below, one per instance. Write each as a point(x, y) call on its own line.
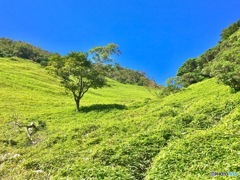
point(122, 132)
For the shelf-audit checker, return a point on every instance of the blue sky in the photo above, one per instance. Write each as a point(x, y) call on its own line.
point(155, 36)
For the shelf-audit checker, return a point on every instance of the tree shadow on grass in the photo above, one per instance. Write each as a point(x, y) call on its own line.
point(102, 107)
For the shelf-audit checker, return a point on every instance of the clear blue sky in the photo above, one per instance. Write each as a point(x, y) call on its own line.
point(155, 36)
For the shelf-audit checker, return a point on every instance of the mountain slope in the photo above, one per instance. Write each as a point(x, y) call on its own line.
point(121, 133)
point(221, 61)
point(11, 48)
point(30, 94)
point(213, 118)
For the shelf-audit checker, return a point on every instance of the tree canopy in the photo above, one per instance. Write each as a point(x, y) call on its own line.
point(79, 73)
point(221, 61)
point(227, 32)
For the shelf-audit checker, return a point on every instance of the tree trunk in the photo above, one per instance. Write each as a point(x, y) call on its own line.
point(77, 105)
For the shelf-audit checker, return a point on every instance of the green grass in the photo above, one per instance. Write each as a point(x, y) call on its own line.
point(122, 132)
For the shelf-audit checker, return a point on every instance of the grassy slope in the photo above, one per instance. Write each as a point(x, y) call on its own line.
point(186, 135)
point(210, 123)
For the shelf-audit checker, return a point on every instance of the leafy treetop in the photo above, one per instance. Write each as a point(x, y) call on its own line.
point(79, 73)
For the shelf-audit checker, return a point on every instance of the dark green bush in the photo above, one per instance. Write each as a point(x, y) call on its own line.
point(10, 48)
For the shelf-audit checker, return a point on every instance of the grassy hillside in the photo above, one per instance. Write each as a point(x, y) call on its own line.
point(10, 48)
point(121, 133)
point(29, 93)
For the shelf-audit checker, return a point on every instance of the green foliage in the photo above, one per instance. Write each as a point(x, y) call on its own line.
point(196, 155)
point(78, 73)
point(226, 33)
point(122, 132)
point(207, 57)
point(222, 61)
point(99, 54)
point(10, 48)
point(226, 67)
point(174, 84)
point(102, 53)
point(191, 71)
point(189, 66)
point(228, 73)
point(128, 76)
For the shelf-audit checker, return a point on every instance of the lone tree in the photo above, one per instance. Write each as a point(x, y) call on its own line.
point(79, 73)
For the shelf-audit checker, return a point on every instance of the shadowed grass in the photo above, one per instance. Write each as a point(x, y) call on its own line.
point(102, 107)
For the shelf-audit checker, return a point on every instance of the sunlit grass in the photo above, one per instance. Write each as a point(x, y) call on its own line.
point(122, 132)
